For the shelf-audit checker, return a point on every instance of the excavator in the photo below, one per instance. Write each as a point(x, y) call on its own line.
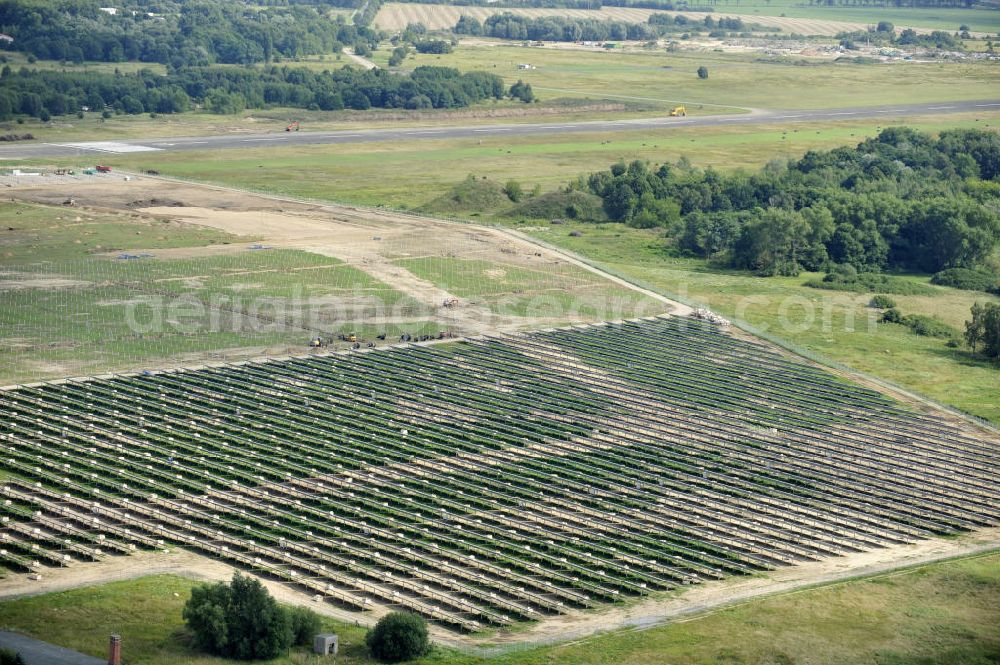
point(293, 126)
point(678, 112)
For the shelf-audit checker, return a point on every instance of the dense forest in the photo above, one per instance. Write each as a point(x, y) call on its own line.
point(902, 201)
point(564, 29)
point(42, 94)
point(194, 32)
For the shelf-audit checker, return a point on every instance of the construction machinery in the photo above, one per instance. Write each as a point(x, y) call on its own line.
point(678, 112)
point(293, 126)
point(103, 169)
point(316, 343)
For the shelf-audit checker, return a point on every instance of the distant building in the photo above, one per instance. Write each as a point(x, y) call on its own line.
point(109, 10)
point(6, 38)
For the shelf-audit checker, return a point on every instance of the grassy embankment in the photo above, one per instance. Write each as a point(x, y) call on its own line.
point(940, 613)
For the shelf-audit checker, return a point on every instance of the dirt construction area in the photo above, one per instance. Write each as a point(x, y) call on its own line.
point(382, 272)
point(369, 240)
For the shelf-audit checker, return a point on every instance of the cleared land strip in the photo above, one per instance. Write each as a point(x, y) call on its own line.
point(493, 480)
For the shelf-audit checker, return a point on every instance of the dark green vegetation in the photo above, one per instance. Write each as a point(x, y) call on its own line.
point(175, 33)
point(562, 29)
point(398, 636)
point(40, 93)
point(845, 277)
point(241, 620)
point(498, 480)
point(969, 280)
point(982, 331)
point(10, 657)
point(902, 200)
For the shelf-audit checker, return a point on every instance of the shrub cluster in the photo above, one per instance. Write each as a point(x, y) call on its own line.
point(241, 620)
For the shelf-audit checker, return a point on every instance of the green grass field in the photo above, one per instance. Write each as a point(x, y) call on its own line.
point(939, 613)
point(734, 82)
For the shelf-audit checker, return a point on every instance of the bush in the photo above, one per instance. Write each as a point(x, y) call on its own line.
point(238, 620)
point(522, 91)
point(928, 326)
point(573, 204)
point(513, 190)
point(305, 625)
point(882, 301)
point(703, 72)
point(964, 278)
point(10, 657)
point(872, 282)
point(398, 636)
point(891, 315)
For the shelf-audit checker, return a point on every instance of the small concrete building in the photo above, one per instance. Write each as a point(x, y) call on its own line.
point(326, 644)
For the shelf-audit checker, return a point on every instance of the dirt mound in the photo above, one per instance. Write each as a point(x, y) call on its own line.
point(155, 203)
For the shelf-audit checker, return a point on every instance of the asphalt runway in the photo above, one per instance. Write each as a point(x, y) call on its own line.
point(29, 151)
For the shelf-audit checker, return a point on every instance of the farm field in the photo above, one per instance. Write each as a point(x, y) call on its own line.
point(903, 616)
point(359, 477)
point(396, 16)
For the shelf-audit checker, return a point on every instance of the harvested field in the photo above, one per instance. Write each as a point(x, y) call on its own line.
point(621, 460)
point(396, 16)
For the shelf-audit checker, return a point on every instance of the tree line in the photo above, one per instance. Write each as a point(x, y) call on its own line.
point(190, 33)
point(884, 34)
point(902, 200)
point(565, 29)
point(42, 94)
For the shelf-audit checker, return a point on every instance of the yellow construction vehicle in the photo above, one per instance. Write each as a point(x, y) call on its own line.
point(678, 112)
point(352, 338)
